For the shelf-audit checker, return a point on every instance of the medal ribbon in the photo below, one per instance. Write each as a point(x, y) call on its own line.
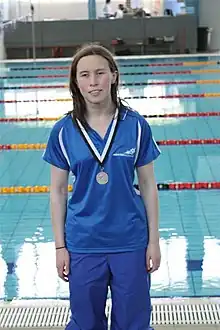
point(100, 158)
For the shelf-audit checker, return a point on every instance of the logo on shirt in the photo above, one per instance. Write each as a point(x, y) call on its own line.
point(128, 153)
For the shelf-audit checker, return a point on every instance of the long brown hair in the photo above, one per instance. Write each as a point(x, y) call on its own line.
point(79, 105)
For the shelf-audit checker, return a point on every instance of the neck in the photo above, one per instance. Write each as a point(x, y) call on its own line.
point(100, 110)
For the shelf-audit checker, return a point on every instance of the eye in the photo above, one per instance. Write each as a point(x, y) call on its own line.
point(84, 75)
point(100, 72)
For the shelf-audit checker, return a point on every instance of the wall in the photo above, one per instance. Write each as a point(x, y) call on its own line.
point(209, 13)
point(134, 32)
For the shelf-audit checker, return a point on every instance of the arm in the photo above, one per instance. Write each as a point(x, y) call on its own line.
point(58, 200)
point(148, 190)
point(56, 154)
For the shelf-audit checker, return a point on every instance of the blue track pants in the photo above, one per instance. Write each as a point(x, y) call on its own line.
point(126, 275)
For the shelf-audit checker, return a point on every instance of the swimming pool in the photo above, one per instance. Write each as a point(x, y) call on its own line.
point(180, 97)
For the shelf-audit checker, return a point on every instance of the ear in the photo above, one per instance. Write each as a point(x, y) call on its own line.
point(114, 77)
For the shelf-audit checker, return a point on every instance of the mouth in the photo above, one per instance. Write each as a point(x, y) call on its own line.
point(95, 92)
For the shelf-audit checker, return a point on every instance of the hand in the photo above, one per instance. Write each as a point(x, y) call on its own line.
point(62, 263)
point(153, 257)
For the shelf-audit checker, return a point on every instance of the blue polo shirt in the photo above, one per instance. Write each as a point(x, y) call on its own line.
point(110, 217)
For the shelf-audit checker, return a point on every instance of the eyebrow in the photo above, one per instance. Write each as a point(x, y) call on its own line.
point(99, 69)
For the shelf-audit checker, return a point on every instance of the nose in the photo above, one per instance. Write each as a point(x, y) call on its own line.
point(93, 79)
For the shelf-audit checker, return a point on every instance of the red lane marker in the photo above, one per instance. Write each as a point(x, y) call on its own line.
point(25, 146)
point(126, 98)
point(39, 87)
point(53, 76)
point(190, 114)
point(122, 74)
point(122, 65)
point(172, 82)
point(66, 86)
point(193, 185)
point(165, 115)
point(188, 142)
point(172, 72)
point(55, 68)
point(166, 64)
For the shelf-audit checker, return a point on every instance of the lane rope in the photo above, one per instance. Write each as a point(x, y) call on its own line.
point(66, 67)
point(181, 72)
point(40, 146)
point(160, 186)
point(157, 83)
point(164, 115)
point(174, 96)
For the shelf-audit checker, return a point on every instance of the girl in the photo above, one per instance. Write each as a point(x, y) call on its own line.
point(107, 234)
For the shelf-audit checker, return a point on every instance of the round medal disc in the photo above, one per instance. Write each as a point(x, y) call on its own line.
point(102, 178)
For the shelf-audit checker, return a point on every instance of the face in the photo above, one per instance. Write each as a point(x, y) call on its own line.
point(94, 79)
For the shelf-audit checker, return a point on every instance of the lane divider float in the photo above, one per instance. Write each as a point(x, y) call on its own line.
point(157, 83)
point(161, 186)
point(164, 115)
point(181, 72)
point(174, 96)
point(40, 146)
point(66, 67)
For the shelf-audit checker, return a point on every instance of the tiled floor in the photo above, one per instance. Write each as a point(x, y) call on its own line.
point(45, 312)
point(200, 327)
point(189, 220)
point(182, 327)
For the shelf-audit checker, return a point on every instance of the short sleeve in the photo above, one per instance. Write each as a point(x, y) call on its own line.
point(55, 152)
point(147, 147)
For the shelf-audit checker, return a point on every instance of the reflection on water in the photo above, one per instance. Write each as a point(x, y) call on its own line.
point(35, 274)
point(48, 109)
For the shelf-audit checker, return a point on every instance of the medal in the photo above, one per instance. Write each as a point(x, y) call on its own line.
point(102, 177)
